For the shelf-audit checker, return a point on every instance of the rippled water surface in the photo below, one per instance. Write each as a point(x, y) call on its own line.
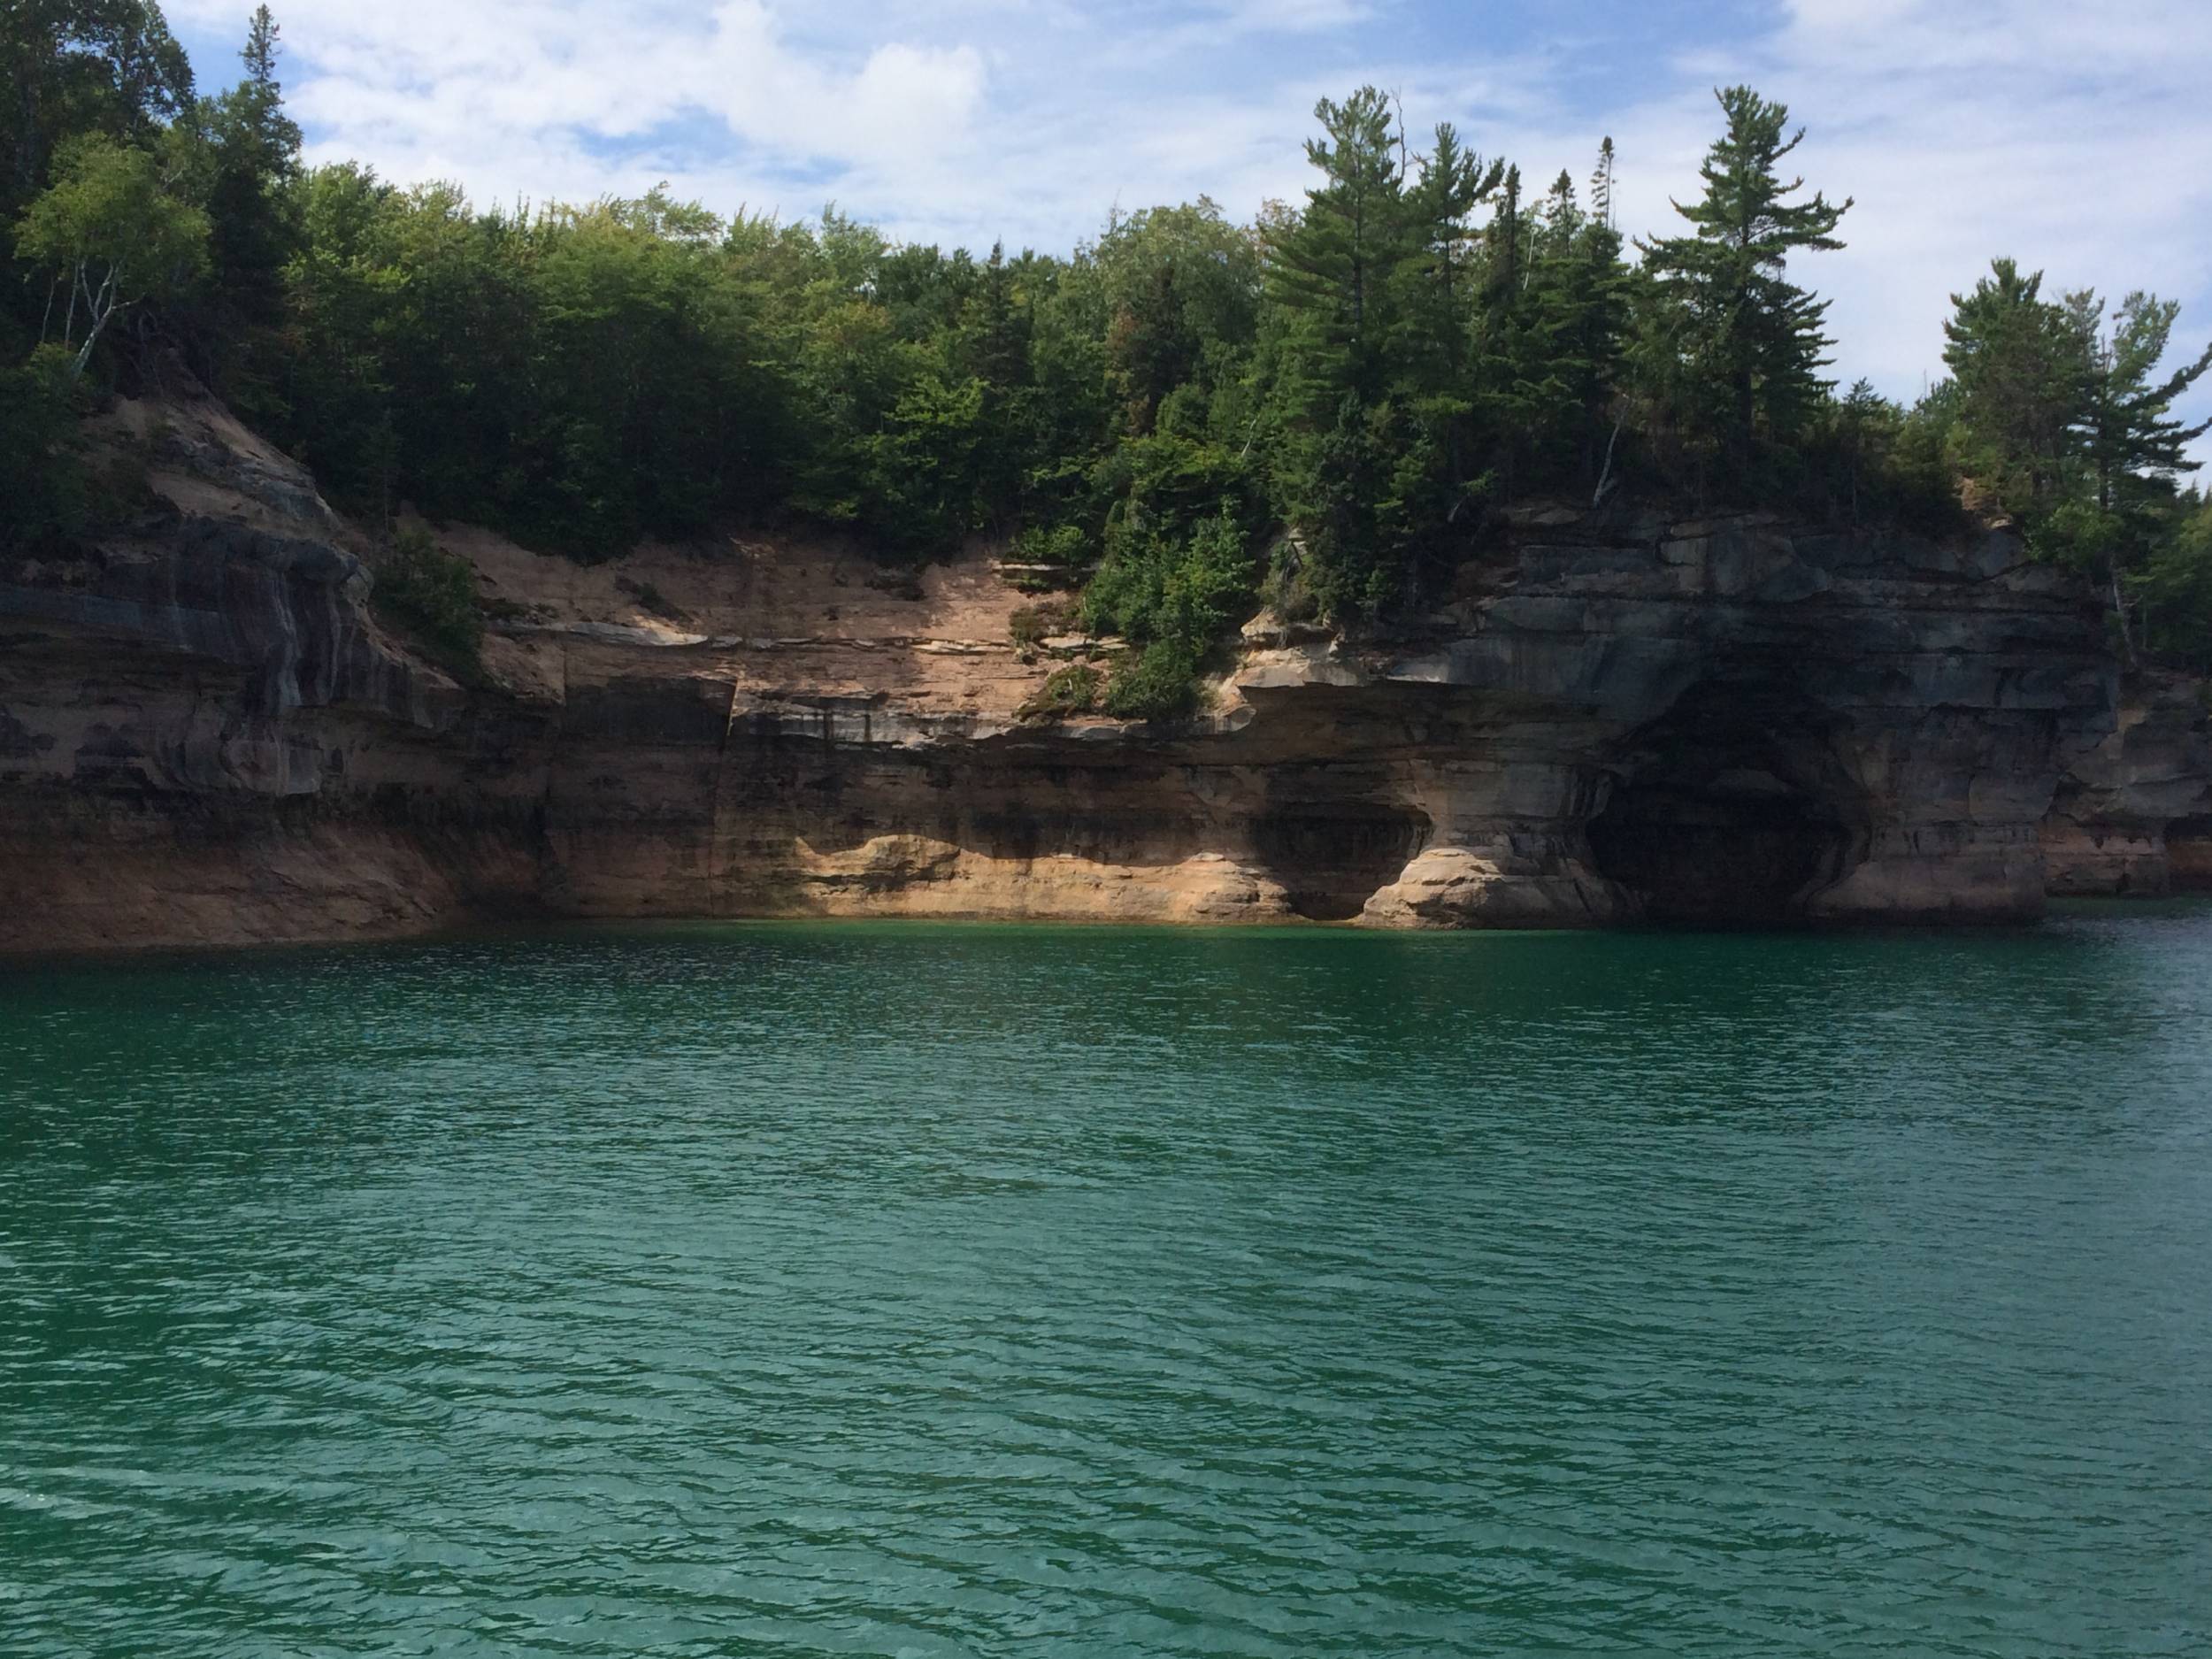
point(921, 1290)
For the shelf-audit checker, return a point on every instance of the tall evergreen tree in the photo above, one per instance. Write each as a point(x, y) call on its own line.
point(2134, 448)
point(1437, 270)
point(1334, 273)
point(1332, 268)
point(1602, 186)
point(253, 207)
point(1750, 336)
point(1505, 245)
point(1550, 336)
point(2021, 364)
point(997, 352)
point(2134, 438)
point(1517, 385)
point(1580, 292)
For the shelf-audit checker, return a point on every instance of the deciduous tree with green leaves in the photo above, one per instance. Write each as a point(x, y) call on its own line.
point(111, 236)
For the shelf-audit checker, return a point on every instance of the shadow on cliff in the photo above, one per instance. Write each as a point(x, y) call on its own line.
point(1331, 856)
point(1732, 808)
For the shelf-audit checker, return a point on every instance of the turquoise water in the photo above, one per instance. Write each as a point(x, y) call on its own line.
point(934, 1290)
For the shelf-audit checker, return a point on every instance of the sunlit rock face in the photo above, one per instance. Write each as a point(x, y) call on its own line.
point(1616, 718)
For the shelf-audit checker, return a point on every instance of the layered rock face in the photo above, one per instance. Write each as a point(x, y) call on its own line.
point(1727, 722)
point(203, 737)
point(2133, 812)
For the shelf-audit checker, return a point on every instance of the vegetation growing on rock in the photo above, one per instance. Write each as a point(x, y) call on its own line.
point(429, 596)
point(1067, 692)
point(1326, 404)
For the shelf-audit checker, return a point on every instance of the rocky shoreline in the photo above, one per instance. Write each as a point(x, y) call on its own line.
point(206, 737)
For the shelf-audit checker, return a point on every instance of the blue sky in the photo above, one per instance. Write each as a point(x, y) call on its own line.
point(2079, 140)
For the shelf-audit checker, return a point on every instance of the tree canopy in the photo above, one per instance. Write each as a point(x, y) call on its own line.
point(1324, 407)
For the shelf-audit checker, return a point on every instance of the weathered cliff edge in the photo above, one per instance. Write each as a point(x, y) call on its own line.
point(205, 737)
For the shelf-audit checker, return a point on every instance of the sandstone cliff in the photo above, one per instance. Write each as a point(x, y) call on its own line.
point(203, 735)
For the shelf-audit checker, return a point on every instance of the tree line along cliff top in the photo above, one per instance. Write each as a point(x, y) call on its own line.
point(1180, 418)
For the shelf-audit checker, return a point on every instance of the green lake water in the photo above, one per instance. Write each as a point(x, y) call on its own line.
point(939, 1290)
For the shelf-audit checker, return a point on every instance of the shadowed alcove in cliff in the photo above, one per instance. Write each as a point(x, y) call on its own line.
point(2189, 853)
point(1731, 810)
point(1330, 856)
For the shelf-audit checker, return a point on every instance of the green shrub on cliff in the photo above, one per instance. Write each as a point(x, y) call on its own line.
point(429, 596)
point(1159, 682)
point(1067, 692)
point(1050, 556)
point(1173, 588)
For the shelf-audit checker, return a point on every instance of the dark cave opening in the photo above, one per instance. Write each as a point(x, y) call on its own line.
point(1730, 811)
point(2189, 853)
point(1332, 858)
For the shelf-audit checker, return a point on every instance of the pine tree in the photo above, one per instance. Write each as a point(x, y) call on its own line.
point(1504, 248)
point(1582, 289)
point(252, 207)
point(1332, 267)
point(996, 353)
point(1517, 387)
point(1435, 275)
point(2134, 448)
point(1334, 272)
point(1747, 333)
point(2022, 365)
point(1550, 337)
point(2134, 439)
point(1602, 186)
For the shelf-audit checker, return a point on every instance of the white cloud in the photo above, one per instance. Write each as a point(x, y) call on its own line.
point(557, 97)
point(910, 98)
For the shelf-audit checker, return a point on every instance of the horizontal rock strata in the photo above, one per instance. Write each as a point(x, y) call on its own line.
point(203, 736)
point(2133, 812)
